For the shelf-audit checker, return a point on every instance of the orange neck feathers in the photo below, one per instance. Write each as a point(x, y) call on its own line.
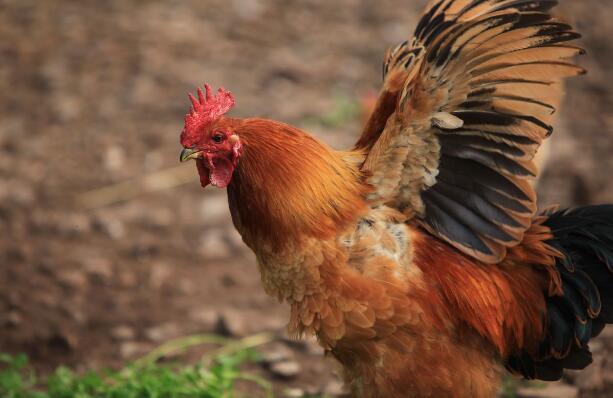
point(288, 185)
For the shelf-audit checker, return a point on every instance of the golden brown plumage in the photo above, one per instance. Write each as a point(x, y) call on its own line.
point(482, 81)
point(417, 258)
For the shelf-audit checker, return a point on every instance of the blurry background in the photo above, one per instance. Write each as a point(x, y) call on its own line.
point(93, 93)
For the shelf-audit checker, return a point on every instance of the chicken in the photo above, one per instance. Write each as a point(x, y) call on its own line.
point(418, 258)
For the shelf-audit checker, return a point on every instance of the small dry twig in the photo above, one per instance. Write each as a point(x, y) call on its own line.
point(126, 190)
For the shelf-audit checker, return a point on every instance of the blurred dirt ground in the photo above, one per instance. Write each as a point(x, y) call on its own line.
point(92, 93)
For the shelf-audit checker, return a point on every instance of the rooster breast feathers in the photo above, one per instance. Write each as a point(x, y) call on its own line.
point(464, 107)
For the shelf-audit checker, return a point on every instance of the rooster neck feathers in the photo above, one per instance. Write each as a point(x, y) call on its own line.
point(289, 185)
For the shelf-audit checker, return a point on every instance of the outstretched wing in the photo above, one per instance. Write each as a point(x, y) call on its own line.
point(465, 106)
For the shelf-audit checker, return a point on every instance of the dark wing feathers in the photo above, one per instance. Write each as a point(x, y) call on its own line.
point(464, 171)
point(521, 142)
point(477, 141)
point(469, 216)
point(496, 197)
point(475, 202)
point(492, 159)
point(447, 225)
point(585, 239)
point(506, 103)
point(492, 71)
point(493, 122)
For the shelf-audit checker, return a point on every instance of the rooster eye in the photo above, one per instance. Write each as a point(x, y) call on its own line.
point(218, 137)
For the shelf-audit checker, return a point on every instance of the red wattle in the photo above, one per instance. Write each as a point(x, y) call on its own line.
point(221, 172)
point(203, 171)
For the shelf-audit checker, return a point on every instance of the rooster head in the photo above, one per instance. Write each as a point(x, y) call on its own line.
point(209, 138)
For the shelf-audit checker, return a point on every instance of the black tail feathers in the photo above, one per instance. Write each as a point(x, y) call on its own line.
point(585, 236)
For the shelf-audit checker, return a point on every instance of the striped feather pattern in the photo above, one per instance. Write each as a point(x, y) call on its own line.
point(497, 65)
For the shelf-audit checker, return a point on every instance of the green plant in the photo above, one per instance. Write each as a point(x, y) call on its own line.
point(215, 376)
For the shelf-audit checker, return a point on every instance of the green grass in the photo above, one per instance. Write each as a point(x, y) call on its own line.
point(216, 376)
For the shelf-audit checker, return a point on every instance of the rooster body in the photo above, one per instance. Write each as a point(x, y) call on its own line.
point(418, 258)
point(380, 294)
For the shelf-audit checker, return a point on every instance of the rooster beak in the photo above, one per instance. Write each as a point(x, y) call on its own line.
point(187, 154)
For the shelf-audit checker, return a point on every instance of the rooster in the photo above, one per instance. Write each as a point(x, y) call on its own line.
point(418, 258)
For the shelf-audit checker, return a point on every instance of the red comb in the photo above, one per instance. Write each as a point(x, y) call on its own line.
point(206, 109)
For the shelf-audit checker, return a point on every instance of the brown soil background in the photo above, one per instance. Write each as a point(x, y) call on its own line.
point(92, 93)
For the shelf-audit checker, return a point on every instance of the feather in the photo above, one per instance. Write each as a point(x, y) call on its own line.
point(445, 224)
point(493, 160)
point(481, 175)
point(583, 309)
point(495, 195)
point(559, 330)
point(478, 204)
point(482, 142)
point(482, 79)
point(473, 221)
point(447, 121)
